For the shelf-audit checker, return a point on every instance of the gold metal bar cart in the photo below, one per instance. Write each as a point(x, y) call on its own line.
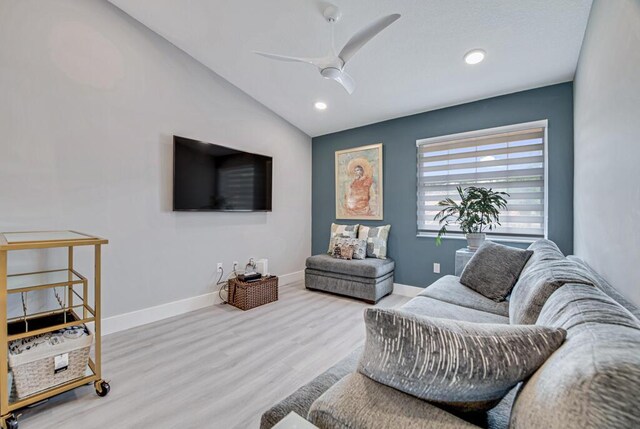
point(80, 310)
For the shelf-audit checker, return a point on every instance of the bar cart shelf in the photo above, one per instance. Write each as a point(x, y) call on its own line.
point(75, 310)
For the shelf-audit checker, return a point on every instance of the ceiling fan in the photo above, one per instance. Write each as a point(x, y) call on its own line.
point(332, 65)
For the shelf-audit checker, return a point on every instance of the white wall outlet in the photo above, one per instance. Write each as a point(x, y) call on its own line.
point(235, 265)
point(219, 267)
point(436, 268)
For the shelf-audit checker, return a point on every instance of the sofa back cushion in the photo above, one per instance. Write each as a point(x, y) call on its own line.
point(536, 285)
point(544, 250)
point(605, 287)
point(592, 380)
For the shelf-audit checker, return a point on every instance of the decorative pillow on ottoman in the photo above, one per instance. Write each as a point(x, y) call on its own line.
point(462, 365)
point(376, 240)
point(341, 231)
point(494, 269)
point(358, 247)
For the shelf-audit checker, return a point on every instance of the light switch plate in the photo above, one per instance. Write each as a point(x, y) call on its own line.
point(436, 268)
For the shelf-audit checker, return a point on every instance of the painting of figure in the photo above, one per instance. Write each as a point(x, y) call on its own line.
point(359, 183)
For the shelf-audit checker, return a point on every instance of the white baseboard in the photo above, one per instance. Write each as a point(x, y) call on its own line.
point(294, 277)
point(406, 290)
point(130, 320)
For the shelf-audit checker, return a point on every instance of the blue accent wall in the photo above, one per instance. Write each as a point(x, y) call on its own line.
point(415, 255)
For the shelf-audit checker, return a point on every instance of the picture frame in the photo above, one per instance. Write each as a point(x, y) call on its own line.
point(359, 183)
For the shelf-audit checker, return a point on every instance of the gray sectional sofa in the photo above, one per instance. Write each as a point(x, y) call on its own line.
point(591, 381)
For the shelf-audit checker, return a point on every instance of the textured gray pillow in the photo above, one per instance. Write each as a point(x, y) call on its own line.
point(494, 269)
point(463, 365)
point(537, 284)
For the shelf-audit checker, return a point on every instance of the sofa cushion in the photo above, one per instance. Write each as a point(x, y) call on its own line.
point(426, 306)
point(537, 284)
point(369, 267)
point(358, 402)
point(338, 231)
point(493, 270)
point(605, 287)
point(467, 366)
point(449, 289)
point(544, 250)
point(376, 240)
point(300, 400)
point(592, 380)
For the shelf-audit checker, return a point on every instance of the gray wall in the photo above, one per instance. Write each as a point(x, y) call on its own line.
point(89, 101)
point(607, 145)
point(415, 256)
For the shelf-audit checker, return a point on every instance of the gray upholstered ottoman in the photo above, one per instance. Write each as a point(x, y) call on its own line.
point(369, 279)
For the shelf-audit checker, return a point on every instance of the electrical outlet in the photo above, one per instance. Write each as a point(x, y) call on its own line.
point(235, 265)
point(219, 268)
point(436, 268)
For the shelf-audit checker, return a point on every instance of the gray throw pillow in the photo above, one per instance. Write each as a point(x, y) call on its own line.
point(537, 284)
point(462, 365)
point(494, 269)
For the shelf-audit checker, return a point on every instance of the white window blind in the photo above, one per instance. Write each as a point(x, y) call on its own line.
point(509, 161)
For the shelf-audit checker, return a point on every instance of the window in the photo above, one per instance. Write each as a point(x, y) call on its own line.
point(511, 159)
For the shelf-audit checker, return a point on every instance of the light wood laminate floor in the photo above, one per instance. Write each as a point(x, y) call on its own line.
point(217, 367)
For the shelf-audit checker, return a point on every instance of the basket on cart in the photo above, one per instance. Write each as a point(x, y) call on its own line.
point(47, 360)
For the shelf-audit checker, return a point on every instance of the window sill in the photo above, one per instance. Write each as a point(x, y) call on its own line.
point(514, 239)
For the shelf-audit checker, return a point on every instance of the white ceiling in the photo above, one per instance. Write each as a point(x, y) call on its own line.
point(413, 66)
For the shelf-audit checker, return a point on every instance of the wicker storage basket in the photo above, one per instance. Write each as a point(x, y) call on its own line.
point(34, 368)
point(246, 296)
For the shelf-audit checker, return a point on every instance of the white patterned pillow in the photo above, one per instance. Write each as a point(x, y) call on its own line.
point(341, 231)
point(376, 240)
point(359, 246)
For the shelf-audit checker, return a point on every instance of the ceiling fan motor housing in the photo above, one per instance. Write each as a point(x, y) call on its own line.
point(331, 73)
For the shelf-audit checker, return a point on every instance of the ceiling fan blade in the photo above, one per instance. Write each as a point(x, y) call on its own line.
point(312, 61)
point(363, 36)
point(346, 81)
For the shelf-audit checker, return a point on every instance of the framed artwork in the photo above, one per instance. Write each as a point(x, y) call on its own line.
point(359, 183)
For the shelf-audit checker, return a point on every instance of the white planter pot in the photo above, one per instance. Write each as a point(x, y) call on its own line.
point(475, 240)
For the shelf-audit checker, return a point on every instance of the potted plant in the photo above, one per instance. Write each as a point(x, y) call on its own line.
point(478, 210)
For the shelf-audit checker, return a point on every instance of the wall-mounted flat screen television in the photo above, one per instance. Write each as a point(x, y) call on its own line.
point(209, 177)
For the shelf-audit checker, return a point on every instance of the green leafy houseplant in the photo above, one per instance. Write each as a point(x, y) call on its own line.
point(478, 210)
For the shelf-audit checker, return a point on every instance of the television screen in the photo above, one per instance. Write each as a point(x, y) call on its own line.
point(208, 177)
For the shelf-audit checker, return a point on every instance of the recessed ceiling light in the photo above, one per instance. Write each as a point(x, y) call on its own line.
point(320, 105)
point(474, 57)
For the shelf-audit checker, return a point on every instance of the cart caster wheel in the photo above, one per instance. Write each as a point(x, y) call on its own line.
point(11, 422)
point(102, 388)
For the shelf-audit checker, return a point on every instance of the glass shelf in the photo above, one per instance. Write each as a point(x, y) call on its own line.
point(43, 279)
point(24, 237)
point(10, 241)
